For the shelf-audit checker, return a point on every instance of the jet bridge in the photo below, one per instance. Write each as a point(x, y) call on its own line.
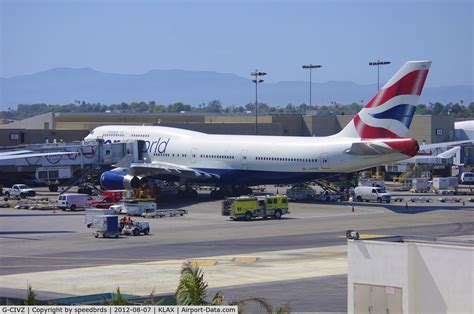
point(84, 155)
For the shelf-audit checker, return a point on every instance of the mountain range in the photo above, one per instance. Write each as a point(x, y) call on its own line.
point(66, 85)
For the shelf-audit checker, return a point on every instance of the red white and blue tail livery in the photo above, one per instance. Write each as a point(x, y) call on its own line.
point(389, 113)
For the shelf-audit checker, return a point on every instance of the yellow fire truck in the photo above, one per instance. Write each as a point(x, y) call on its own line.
point(248, 207)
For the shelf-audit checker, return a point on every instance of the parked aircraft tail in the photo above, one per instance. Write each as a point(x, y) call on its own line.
point(390, 112)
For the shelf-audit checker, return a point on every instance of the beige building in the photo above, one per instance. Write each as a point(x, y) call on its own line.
point(75, 126)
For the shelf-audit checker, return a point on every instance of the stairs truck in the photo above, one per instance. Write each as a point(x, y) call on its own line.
point(248, 207)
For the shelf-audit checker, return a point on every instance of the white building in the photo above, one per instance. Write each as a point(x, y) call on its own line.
point(410, 275)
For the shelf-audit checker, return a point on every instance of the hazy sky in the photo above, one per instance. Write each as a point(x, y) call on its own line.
point(237, 36)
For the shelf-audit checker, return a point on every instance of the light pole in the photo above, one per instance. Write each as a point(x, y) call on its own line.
point(310, 67)
point(257, 81)
point(378, 63)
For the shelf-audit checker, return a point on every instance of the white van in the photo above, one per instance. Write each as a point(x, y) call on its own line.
point(467, 178)
point(73, 201)
point(371, 194)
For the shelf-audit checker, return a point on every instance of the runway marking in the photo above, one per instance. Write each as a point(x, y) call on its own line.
point(203, 263)
point(245, 259)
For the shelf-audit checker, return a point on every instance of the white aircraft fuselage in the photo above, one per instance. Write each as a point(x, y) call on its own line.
point(244, 159)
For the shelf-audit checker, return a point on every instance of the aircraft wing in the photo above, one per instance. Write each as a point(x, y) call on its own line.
point(13, 155)
point(165, 168)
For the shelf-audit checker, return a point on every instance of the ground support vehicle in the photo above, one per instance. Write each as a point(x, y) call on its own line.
point(165, 212)
point(19, 190)
point(107, 199)
point(52, 176)
point(106, 226)
point(248, 207)
point(299, 193)
point(447, 185)
point(467, 178)
point(374, 194)
point(72, 201)
point(91, 212)
point(327, 197)
point(135, 228)
point(138, 208)
point(420, 185)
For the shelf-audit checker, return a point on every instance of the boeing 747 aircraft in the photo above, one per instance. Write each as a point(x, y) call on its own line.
point(377, 135)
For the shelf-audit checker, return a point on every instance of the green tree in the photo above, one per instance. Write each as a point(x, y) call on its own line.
point(437, 109)
point(215, 106)
point(192, 287)
point(30, 296)
point(118, 298)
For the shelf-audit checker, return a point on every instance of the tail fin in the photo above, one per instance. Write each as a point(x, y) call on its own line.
point(390, 112)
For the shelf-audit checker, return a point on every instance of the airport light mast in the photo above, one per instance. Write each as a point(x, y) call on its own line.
point(378, 63)
point(257, 81)
point(310, 67)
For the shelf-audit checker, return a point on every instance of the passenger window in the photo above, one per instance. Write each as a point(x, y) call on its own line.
point(374, 191)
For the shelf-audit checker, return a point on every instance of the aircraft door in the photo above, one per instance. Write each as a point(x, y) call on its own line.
point(193, 155)
point(243, 160)
point(325, 161)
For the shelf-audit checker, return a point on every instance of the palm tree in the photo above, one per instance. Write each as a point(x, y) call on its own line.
point(192, 287)
point(30, 296)
point(192, 291)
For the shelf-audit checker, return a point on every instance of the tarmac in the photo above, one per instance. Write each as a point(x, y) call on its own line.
point(299, 260)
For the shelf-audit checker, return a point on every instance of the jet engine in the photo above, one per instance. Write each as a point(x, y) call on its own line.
point(119, 179)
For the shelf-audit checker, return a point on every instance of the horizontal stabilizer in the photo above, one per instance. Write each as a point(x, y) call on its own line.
point(369, 149)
